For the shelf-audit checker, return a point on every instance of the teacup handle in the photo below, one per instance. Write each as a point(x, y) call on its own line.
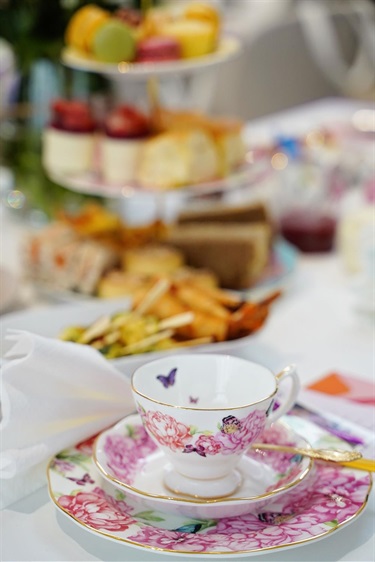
point(289, 400)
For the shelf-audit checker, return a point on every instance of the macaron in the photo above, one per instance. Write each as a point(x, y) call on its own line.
point(196, 38)
point(158, 49)
point(83, 25)
point(114, 42)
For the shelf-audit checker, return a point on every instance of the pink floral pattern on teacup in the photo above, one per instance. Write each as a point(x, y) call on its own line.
point(239, 436)
point(167, 431)
point(234, 436)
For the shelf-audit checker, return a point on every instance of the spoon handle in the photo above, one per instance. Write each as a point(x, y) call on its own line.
point(361, 464)
point(358, 463)
point(320, 454)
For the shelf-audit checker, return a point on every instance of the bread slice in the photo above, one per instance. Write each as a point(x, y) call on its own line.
point(244, 213)
point(237, 253)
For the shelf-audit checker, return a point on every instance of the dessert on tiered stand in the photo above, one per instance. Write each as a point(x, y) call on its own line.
point(125, 131)
point(95, 35)
point(164, 150)
point(69, 140)
point(137, 155)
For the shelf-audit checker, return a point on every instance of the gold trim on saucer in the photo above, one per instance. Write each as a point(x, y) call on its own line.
point(214, 553)
point(200, 501)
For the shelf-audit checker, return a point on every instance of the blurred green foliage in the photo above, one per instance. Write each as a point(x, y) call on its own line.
point(35, 29)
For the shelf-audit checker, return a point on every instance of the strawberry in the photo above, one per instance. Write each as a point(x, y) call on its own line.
point(127, 122)
point(72, 115)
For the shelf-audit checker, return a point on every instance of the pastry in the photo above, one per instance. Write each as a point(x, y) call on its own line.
point(152, 259)
point(59, 258)
point(226, 133)
point(230, 143)
point(126, 127)
point(196, 38)
point(68, 142)
point(117, 283)
point(114, 42)
point(158, 49)
point(203, 11)
point(178, 158)
point(83, 25)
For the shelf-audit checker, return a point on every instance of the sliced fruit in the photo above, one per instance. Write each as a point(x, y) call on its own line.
point(73, 116)
point(127, 122)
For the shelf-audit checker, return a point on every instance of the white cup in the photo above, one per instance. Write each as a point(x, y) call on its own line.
point(204, 411)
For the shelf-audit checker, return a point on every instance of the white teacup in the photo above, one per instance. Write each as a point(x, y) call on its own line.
point(204, 411)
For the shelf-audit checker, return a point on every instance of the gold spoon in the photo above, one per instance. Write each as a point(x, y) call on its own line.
point(347, 458)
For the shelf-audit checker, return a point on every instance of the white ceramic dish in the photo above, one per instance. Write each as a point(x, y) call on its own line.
point(228, 48)
point(52, 320)
point(328, 501)
point(92, 183)
point(127, 458)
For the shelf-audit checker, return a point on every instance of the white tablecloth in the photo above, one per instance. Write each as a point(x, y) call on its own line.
point(315, 325)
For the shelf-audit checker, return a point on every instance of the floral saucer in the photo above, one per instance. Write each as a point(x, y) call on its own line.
point(128, 459)
point(332, 497)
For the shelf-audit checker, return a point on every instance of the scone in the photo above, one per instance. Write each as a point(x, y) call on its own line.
point(152, 259)
point(178, 158)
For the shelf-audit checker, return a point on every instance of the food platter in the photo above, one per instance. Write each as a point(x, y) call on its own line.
point(52, 320)
point(276, 277)
point(228, 48)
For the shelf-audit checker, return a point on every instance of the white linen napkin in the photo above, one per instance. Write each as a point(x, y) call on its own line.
point(53, 394)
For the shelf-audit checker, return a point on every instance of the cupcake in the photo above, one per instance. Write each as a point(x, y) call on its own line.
point(126, 128)
point(69, 140)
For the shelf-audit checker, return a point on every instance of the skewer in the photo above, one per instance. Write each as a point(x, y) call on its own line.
point(159, 289)
point(146, 342)
point(177, 321)
point(96, 330)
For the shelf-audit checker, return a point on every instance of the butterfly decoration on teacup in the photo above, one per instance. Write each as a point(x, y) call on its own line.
point(168, 380)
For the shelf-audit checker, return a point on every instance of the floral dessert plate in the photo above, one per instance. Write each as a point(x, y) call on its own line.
point(328, 500)
point(128, 459)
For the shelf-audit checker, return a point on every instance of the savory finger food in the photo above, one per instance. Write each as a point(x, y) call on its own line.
point(172, 314)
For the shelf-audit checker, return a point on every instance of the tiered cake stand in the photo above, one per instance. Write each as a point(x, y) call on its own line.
point(185, 83)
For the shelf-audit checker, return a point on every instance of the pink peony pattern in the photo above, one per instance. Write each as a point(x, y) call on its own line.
point(124, 451)
point(321, 503)
point(235, 434)
point(96, 511)
point(167, 431)
point(241, 435)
